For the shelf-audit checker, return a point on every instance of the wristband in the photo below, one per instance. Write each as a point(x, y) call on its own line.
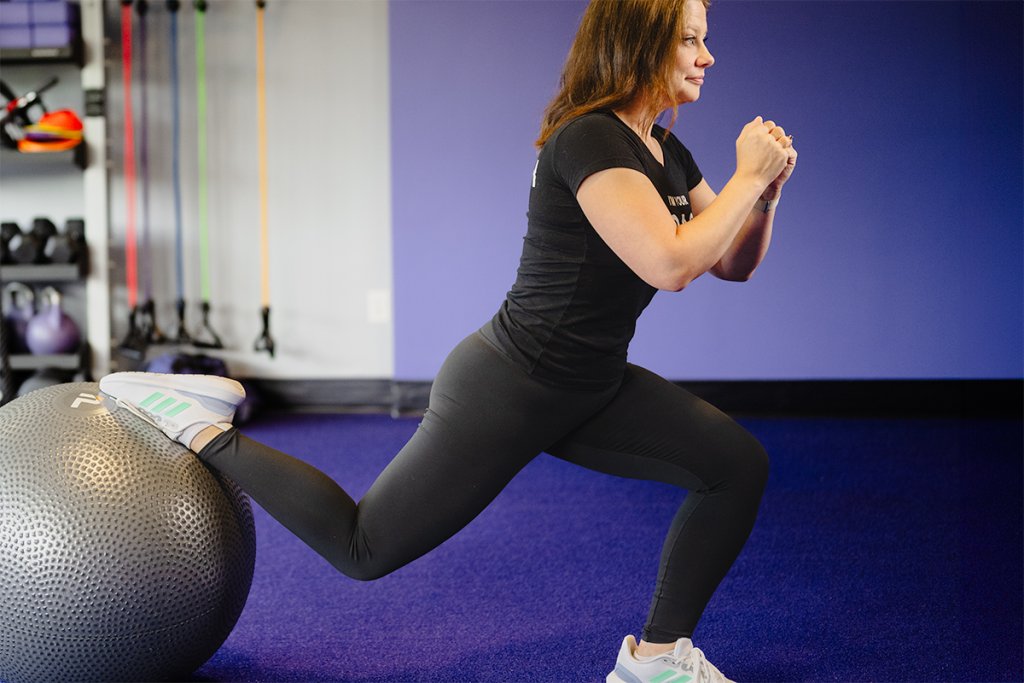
point(766, 205)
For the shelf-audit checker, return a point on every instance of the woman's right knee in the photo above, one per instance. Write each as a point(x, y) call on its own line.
point(758, 461)
point(743, 457)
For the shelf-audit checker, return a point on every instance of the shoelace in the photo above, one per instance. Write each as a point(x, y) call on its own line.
point(705, 670)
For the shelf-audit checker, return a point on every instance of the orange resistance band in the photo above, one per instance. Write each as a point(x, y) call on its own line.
point(261, 93)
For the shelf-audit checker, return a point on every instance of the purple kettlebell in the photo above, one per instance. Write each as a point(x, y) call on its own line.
point(18, 310)
point(51, 331)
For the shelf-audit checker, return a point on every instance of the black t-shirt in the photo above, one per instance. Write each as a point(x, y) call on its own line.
point(572, 311)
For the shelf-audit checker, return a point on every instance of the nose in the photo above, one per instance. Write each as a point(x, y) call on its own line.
point(705, 58)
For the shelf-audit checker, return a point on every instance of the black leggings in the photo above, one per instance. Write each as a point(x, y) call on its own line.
point(486, 420)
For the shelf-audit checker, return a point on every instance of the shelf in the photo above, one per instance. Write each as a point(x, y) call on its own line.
point(64, 361)
point(64, 54)
point(15, 161)
point(53, 272)
point(86, 54)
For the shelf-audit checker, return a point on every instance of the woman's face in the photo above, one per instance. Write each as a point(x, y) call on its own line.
point(692, 56)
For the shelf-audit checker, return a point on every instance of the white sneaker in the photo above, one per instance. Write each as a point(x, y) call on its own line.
point(180, 406)
point(685, 664)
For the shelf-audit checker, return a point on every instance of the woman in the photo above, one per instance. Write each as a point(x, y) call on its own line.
point(618, 209)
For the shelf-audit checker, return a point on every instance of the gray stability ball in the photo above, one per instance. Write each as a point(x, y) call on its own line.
point(122, 557)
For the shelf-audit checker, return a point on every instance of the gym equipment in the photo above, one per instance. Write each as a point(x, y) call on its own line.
point(6, 374)
point(187, 364)
point(62, 125)
point(55, 132)
point(23, 248)
point(147, 311)
point(18, 310)
point(208, 338)
point(181, 335)
point(17, 112)
point(123, 557)
point(51, 330)
point(27, 247)
point(40, 379)
point(69, 246)
point(8, 229)
point(43, 229)
point(135, 342)
point(264, 342)
point(42, 243)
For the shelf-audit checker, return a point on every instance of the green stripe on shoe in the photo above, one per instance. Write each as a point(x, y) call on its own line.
point(177, 411)
point(667, 677)
point(155, 396)
point(164, 405)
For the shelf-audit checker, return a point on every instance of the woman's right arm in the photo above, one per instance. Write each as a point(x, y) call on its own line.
point(626, 211)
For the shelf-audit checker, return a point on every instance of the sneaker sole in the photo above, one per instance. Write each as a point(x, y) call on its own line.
point(224, 389)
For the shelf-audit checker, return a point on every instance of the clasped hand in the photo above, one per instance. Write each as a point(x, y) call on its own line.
point(766, 153)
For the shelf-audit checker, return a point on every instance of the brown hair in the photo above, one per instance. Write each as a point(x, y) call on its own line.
point(623, 49)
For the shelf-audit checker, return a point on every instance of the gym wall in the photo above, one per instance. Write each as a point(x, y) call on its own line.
point(898, 247)
point(329, 180)
point(400, 144)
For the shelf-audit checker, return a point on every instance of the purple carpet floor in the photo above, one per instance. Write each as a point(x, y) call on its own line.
point(886, 550)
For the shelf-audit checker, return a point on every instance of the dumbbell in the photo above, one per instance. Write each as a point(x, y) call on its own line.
point(27, 247)
point(23, 247)
point(8, 230)
point(43, 243)
point(66, 247)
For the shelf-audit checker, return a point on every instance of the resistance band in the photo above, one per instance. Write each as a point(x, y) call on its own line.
point(133, 343)
point(149, 329)
point(131, 256)
point(204, 242)
point(265, 342)
point(181, 335)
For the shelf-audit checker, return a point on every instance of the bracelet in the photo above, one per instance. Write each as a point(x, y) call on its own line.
point(766, 205)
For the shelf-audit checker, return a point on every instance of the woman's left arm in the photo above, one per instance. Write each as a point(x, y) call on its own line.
point(749, 247)
point(751, 244)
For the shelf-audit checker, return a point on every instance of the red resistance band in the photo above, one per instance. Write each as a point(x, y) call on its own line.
point(131, 252)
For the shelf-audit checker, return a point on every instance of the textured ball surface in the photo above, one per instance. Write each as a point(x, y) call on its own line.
point(122, 557)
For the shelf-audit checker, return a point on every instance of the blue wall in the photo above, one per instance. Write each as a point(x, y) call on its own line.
point(898, 246)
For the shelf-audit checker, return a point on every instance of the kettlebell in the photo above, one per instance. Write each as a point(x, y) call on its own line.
point(40, 379)
point(18, 310)
point(51, 330)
